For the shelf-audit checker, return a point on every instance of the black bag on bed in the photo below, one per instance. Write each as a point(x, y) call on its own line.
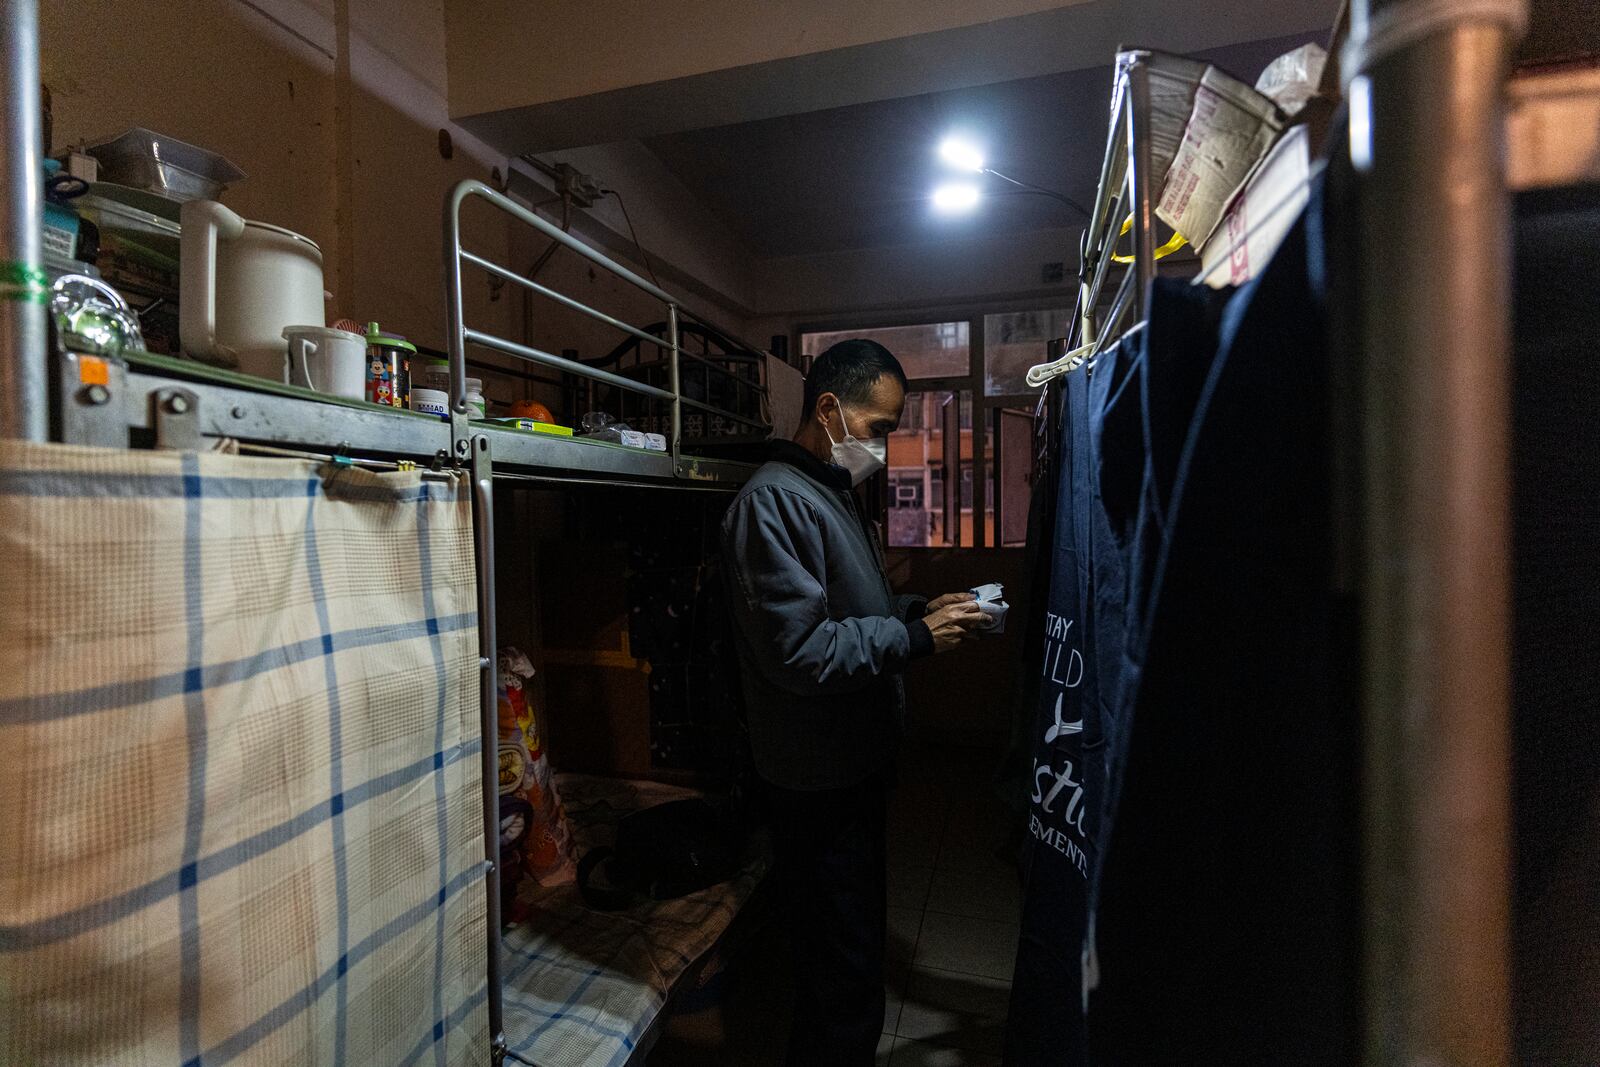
point(662, 852)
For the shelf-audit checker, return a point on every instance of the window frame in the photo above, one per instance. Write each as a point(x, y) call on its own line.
point(985, 409)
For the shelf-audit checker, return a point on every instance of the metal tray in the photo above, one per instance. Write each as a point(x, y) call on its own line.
point(151, 161)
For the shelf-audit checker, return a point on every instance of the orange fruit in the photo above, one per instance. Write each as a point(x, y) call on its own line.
point(531, 409)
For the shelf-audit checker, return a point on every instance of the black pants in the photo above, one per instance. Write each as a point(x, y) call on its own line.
point(831, 864)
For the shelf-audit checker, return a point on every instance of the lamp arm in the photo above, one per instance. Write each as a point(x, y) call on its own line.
point(1029, 187)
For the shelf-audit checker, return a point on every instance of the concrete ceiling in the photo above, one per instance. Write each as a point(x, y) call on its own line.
point(547, 75)
point(859, 176)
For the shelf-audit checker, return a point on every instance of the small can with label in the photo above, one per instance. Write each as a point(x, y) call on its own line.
point(389, 359)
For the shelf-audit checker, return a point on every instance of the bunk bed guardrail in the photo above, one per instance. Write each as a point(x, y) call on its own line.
point(461, 335)
point(729, 372)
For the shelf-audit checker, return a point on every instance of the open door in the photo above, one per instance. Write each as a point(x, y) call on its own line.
point(1013, 474)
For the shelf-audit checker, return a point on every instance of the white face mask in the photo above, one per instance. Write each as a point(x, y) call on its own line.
point(861, 459)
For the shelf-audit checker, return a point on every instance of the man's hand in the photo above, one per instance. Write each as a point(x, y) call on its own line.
point(955, 622)
point(948, 599)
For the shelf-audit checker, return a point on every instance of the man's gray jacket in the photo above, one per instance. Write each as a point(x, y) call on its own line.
point(821, 638)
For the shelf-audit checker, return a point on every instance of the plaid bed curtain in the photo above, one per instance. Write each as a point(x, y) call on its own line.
point(240, 781)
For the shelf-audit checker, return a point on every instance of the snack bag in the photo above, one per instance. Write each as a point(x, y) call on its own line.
point(535, 841)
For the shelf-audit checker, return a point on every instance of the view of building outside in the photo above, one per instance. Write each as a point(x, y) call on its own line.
point(917, 477)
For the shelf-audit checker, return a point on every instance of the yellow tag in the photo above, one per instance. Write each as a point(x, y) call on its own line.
point(1175, 242)
point(93, 371)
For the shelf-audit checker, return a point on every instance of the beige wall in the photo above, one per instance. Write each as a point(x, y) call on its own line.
point(690, 245)
point(332, 107)
point(228, 79)
point(913, 283)
point(977, 271)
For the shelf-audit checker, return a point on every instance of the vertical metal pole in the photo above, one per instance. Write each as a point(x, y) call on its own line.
point(980, 455)
point(1086, 327)
point(455, 331)
point(24, 393)
point(1139, 181)
point(677, 395)
point(1426, 130)
point(950, 441)
point(998, 474)
point(489, 726)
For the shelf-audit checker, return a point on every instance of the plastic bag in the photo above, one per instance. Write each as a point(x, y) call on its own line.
point(598, 426)
point(535, 840)
point(1292, 78)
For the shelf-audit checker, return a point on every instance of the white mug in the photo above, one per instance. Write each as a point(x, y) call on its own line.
point(327, 360)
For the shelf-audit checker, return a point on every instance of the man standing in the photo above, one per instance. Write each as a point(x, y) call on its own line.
point(822, 641)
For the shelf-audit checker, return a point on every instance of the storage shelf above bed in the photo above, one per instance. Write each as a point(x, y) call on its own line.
point(157, 400)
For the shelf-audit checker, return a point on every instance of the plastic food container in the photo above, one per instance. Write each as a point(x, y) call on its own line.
point(430, 391)
point(430, 401)
point(152, 161)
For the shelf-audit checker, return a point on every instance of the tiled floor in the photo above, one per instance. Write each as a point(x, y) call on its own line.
point(953, 908)
point(948, 999)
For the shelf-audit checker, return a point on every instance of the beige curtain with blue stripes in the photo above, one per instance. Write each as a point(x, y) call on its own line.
point(240, 781)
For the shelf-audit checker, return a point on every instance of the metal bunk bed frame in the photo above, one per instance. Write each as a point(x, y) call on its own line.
point(1436, 496)
point(157, 401)
point(471, 447)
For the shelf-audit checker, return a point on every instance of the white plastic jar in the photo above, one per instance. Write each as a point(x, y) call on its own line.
point(430, 392)
point(430, 389)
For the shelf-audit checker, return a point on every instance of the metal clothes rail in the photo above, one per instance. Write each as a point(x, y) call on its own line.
point(1126, 186)
point(1426, 84)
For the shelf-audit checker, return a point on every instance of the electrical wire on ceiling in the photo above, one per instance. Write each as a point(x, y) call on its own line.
point(569, 180)
point(643, 255)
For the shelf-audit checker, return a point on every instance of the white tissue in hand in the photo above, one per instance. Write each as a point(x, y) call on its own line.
point(993, 607)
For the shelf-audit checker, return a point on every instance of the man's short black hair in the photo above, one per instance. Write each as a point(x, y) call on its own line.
point(849, 370)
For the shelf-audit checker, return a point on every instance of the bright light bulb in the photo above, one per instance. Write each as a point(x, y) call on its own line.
point(955, 197)
point(961, 154)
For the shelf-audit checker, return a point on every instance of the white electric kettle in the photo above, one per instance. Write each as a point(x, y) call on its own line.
point(241, 283)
